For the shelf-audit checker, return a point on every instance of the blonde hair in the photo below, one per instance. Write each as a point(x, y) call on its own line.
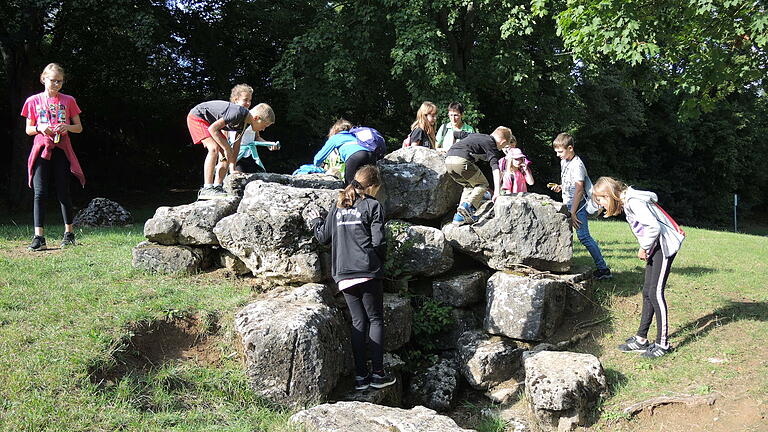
point(264, 112)
point(504, 132)
point(612, 189)
point(340, 125)
point(239, 89)
point(51, 68)
point(421, 121)
point(563, 140)
point(366, 178)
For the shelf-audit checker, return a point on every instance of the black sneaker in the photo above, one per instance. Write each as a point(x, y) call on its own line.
point(68, 240)
point(362, 383)
point(38, 244)
point(655, 351)
point(382, 380)
point(601, 274)
point(634, 345)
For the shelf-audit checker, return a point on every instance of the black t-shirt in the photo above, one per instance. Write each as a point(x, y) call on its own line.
point(475, 146)
point(422, 137)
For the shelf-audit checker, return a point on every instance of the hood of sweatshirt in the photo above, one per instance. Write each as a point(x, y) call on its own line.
point(645, 196)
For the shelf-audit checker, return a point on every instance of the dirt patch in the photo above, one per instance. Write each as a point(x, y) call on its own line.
point(155, 343)
point(21, 251)
point(744, 414)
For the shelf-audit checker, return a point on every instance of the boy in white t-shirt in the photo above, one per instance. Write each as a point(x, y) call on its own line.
point(573, 178)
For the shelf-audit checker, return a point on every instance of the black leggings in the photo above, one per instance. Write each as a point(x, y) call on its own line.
point(354, 162)
point(654, 303)
point(366, 304)
point(58, 167)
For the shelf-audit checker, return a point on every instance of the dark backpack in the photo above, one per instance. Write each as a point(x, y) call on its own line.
point(371, 140)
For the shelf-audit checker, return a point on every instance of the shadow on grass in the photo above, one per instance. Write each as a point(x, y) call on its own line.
point(732, 312)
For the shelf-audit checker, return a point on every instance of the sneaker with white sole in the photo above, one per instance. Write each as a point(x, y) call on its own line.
point(38, 244)
point(634, 345)
point(468, 212)
point(602, 274)
point(655, 351)
point(458, 219)
point(68, 240)
point(362, 383)
point(382, 380)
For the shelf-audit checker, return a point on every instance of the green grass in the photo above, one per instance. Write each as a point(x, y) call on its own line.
point(65, 314)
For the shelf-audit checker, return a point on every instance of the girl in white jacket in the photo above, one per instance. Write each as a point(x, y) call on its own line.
point(660, 238)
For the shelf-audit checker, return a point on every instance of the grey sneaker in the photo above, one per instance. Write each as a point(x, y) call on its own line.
point(633, 345)
point(68, 240)
point(218, 192)
point(382, 380)
point(362, 383)
point(206, 192)
point(601, 274)
point(655, 351)
point(38, 244)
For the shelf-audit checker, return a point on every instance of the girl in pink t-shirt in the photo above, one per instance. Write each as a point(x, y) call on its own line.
point(516, 172)
point(51, 117)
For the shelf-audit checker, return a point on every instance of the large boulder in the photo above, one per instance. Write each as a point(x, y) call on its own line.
point(416, 250)
point(398, 320)
point(102, 212)
point(524, 229)
point(296, 344)
point(416, 184)
point(235, 183)
point(436, 387)
point(178, 260)
point(189, 224)
point(522, 307)
point(367, 417)
point(269, 233)
point(562, 387)
point(461, 290)
point(462, 320)
point(487, 361)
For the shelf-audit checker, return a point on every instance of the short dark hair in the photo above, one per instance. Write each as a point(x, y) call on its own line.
point(456, 106)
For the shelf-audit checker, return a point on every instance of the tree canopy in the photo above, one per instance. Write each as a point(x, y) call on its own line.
point(667, 95)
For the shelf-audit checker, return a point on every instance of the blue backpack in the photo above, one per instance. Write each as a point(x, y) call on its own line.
point(371, 140)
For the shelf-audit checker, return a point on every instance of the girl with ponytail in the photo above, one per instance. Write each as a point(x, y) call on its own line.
point(355, 229)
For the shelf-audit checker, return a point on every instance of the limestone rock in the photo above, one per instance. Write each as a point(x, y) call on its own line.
point(522, 307)
point(367, 417)
point(296, 344)
point(236, 183)
point(461, 290)
point(506, 392)
point(102, 212)
point(233, 263)
point(436, 387)
point(417, 250)
point(462, 320)
point(528, 229)
point(270, 235)
point(189, 224)
point(486, 361)
point(156, 258)
point(416, 184)
point(398, 320)
point(562, 387)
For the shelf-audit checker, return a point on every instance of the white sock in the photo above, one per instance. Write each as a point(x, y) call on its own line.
point(208, 185)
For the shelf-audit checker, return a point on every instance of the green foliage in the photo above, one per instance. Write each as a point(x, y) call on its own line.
point(397, 247)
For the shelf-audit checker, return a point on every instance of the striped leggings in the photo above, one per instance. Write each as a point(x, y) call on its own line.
point(654, 303)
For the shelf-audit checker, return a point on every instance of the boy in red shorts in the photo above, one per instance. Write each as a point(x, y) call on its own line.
point(206, 123)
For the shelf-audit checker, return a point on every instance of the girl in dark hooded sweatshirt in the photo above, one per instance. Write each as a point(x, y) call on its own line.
point(355, 229)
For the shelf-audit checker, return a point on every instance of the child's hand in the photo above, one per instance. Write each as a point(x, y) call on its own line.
point(575, 222)
point(313, 214)
point(45, 130)
point(273, 148)
point(61, 128)
point(554, 186)
point(642, 254)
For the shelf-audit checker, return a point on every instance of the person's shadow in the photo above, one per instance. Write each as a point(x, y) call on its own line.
point(733, 311)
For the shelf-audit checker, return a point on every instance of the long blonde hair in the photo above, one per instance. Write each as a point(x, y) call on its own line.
point(612, 189)
point(421, 121)
point(365, 179)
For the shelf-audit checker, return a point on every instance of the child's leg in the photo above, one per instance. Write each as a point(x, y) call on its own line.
point(62, 177)
point(211, 158)
point(582, 232)
point(41, 173)
point(646, 316)
point(221, 171)
point(373, 301)
point(354, 162)
point(479, 186)
point(656, 281)
point(354, 299)
point(468, 175)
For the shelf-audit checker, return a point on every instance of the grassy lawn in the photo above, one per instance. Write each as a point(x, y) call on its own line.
point(66, 317)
